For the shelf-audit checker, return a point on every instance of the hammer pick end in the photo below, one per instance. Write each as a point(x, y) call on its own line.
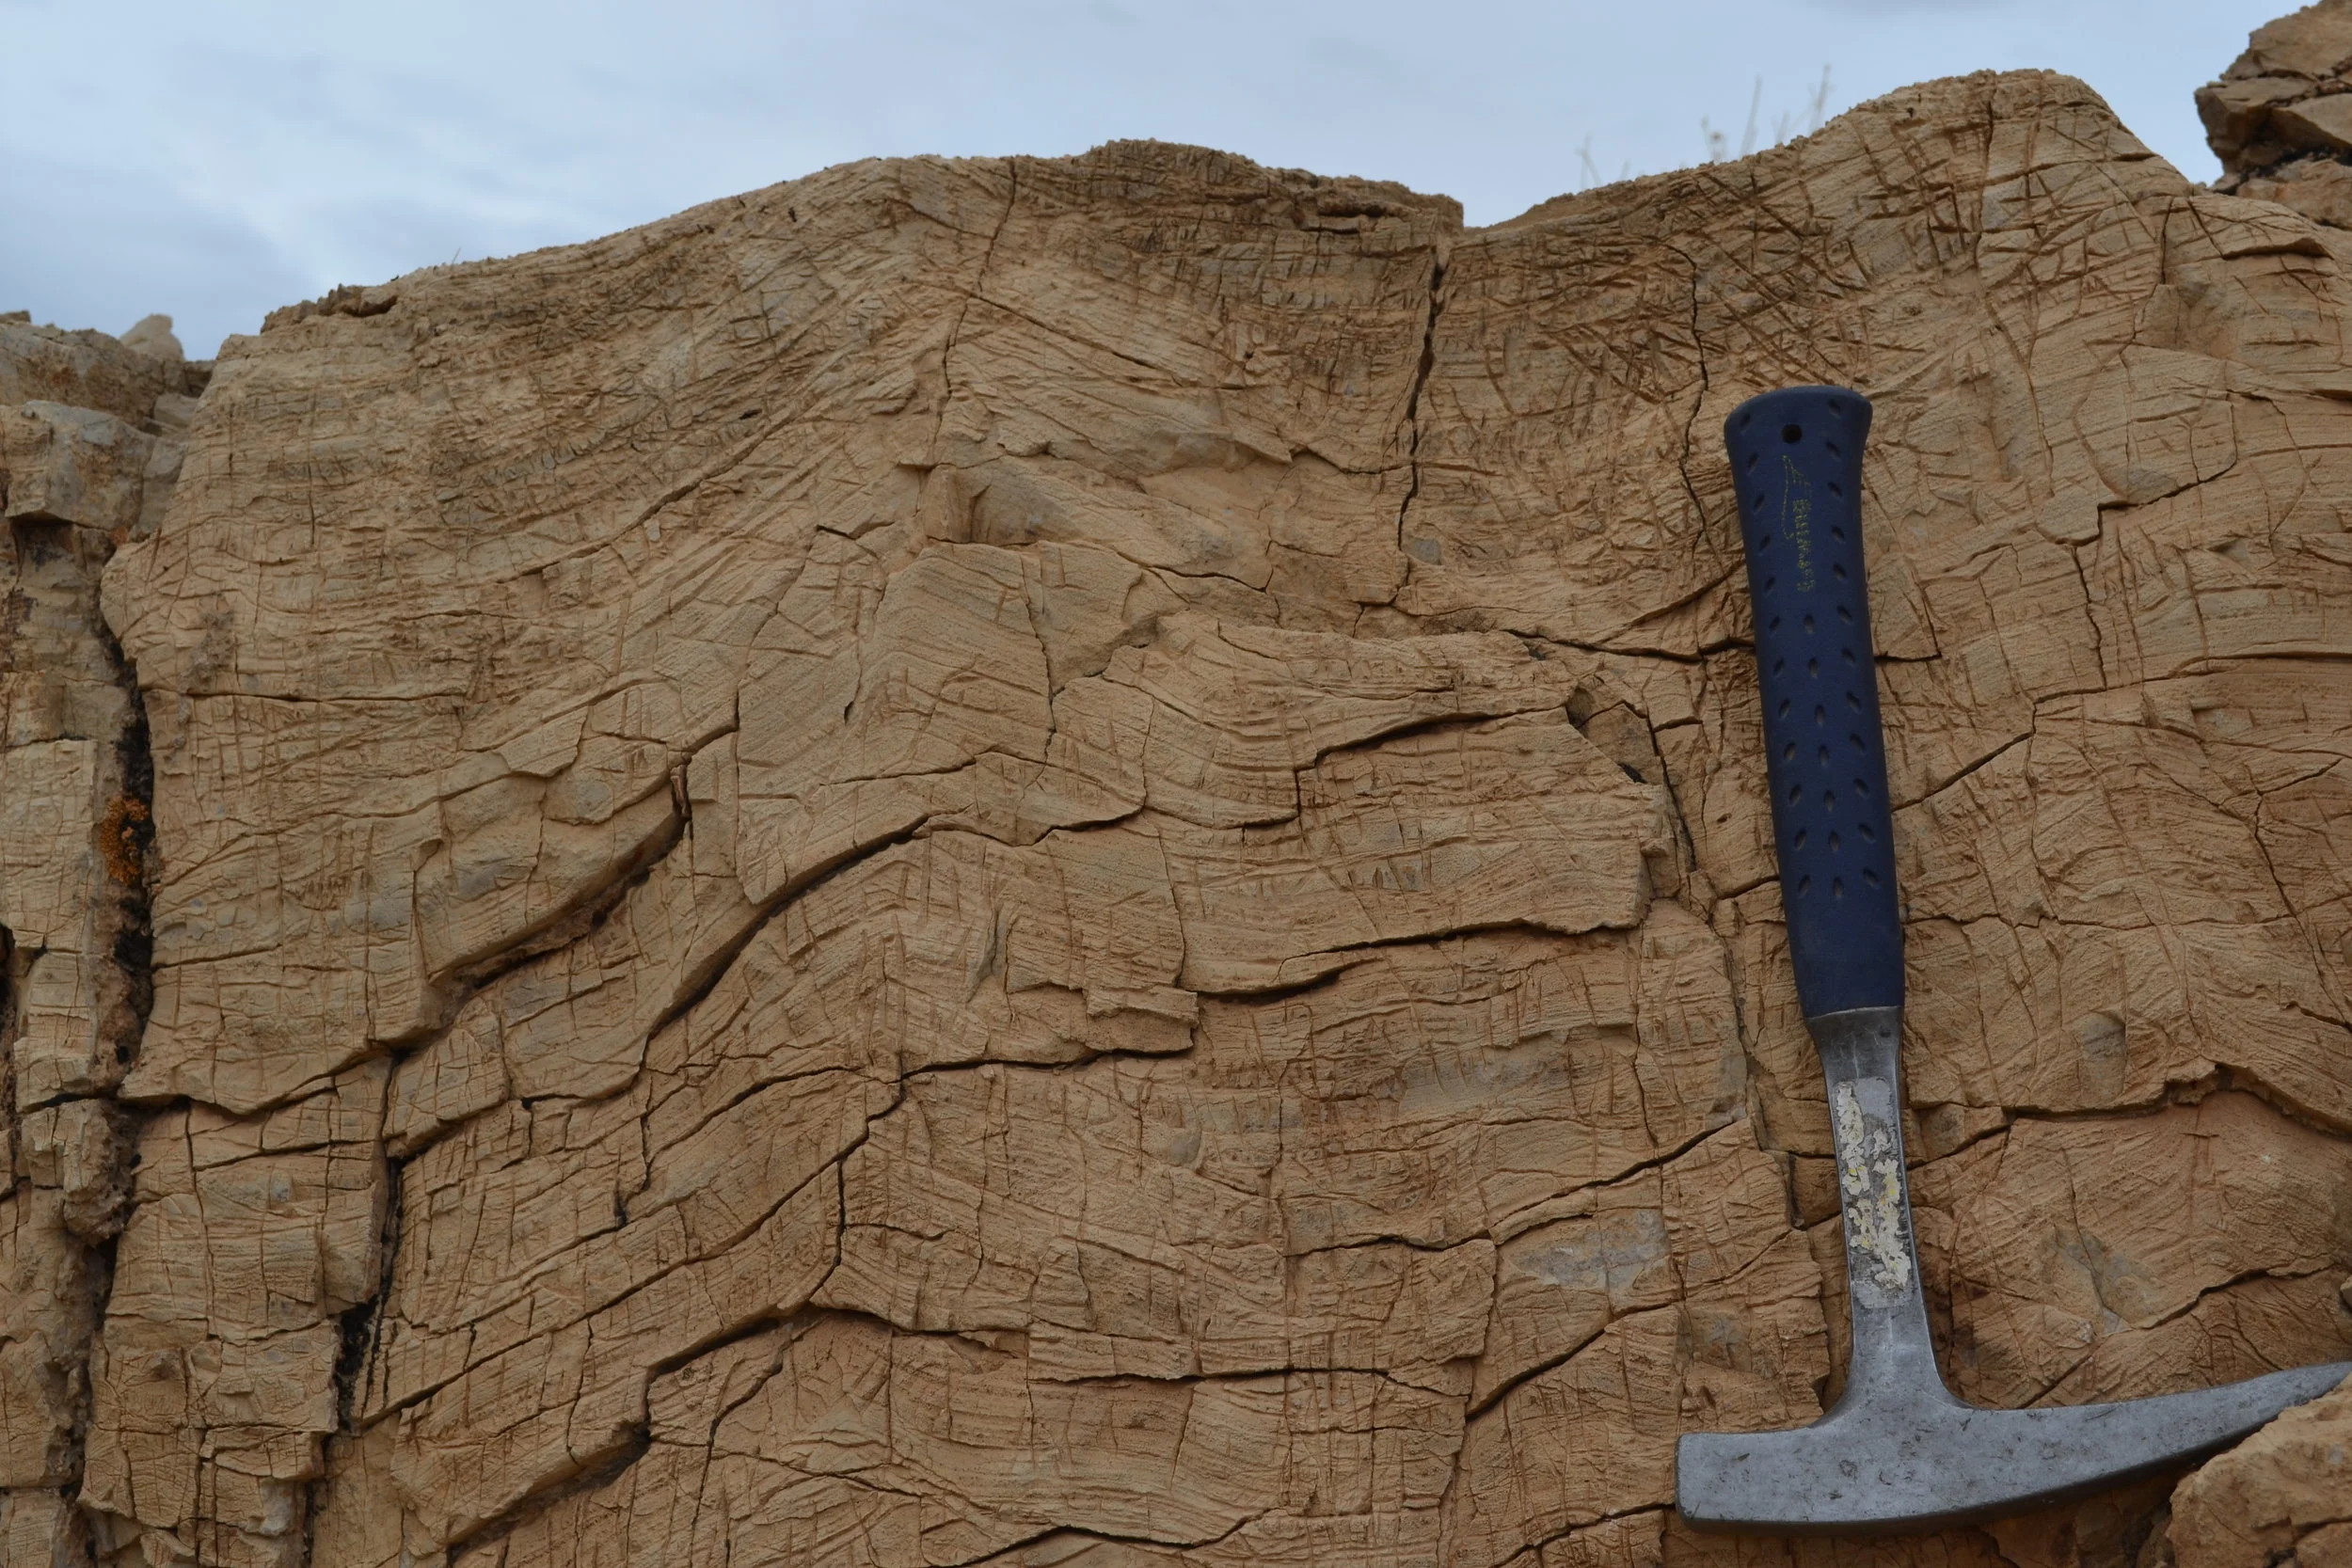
point(1883, 1466)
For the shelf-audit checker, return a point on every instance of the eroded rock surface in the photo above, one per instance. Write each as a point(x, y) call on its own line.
point(2284, 1496)
point(90, 445)
point(2280, 118)
point(1063, 862)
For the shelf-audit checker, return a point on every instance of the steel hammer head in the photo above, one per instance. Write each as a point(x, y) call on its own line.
point(1900, 1452)
point(1919, 1460)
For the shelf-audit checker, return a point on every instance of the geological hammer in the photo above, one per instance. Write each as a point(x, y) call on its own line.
point(1898, 1452)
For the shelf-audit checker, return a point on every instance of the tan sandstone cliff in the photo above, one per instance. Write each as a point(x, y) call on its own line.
point(1062, 864)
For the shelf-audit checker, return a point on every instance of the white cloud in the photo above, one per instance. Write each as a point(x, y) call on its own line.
point(215, 160)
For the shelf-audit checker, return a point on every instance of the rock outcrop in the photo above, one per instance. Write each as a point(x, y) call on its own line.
point(2284, 1496)
point(2280, 118)
point(89, 447)
point(1062, 864)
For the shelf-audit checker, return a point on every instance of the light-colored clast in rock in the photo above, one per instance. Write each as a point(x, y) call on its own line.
point(1062, 864)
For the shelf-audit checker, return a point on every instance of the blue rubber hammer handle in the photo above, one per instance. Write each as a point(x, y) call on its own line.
point(1796, 464)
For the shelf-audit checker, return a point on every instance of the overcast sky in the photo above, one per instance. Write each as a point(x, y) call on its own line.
point(213, 159)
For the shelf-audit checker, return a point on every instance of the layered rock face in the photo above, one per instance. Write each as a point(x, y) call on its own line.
point(90, 445)
point(1064, 862)
point(2280, 118)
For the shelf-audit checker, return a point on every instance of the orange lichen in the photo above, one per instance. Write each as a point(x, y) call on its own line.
point(121, 835)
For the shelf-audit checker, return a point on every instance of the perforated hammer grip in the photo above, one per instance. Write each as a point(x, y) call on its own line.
point(1796, 464)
